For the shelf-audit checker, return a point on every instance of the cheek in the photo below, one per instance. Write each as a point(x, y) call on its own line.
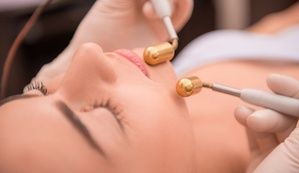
point(164, 74)
point(158, 126)
point(151, 107)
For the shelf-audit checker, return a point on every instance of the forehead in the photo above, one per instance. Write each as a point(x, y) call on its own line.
point(40, 134)
point(31, 107)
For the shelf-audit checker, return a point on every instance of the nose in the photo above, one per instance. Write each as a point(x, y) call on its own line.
point(89, 69)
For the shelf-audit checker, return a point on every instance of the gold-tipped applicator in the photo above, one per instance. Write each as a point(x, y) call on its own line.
point(160, 53)
point(191, 85)
point(164, 52)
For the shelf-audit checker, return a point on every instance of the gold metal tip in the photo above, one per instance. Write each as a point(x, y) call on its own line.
point(207, 85)
point(175, 43)
point(186, 87)
point(161, 53)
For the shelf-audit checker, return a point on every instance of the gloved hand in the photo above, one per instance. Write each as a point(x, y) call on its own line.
point(129, 24)
point(115, 24)
point(273, 137)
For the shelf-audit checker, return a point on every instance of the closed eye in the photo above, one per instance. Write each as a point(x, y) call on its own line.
point(113, 108)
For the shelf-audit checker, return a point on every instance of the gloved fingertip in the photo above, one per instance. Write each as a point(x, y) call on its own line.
point(242, 113)
point(275, 78)
point(284, 85)
point(262, 121)
point(148, 10)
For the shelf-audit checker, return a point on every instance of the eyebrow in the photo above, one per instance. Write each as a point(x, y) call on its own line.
point(70, 116)
point(78, 124)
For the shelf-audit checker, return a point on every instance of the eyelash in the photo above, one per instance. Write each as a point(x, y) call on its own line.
point(109, 105)
point(36, 86)
point(113, 108)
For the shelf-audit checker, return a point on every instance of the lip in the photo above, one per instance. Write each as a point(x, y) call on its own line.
point(133, 58)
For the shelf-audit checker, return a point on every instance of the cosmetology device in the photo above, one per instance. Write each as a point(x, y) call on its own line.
point(163, 10)
point(157, 54)
point(283, 104)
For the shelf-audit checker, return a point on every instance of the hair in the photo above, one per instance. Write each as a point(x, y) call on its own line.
point(14, 48)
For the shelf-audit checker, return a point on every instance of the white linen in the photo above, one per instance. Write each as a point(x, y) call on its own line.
point(235, 44)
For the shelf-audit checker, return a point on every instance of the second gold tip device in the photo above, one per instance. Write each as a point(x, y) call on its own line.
point(191, 85)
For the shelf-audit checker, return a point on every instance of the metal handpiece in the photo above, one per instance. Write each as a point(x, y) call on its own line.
point(163, 10)
point(192, 85)
point(279, 103)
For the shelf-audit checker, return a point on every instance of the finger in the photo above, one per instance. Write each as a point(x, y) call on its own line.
point(253, 145)
point(281, 136)
point(283, 85)
point(242, 113)
point(269, 121)
point(284, 158)
point(266, 142)
point(148, 11)
point(258, 141)
point(271, 128)
point(182, 12)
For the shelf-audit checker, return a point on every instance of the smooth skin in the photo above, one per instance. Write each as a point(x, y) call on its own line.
point(221, 143)
point(156, 134)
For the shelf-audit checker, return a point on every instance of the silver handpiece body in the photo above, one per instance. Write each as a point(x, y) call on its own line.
point(163, 10)
point(279, 103)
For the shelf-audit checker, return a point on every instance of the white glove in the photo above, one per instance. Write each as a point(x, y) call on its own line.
point(115, 24)
point(273, 137)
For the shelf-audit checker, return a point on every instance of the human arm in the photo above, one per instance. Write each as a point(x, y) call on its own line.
point(118, 24)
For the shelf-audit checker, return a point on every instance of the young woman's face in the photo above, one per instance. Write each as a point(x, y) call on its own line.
point(107, 115)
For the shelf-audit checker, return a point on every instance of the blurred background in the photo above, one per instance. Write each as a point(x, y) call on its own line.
point(55, 28)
